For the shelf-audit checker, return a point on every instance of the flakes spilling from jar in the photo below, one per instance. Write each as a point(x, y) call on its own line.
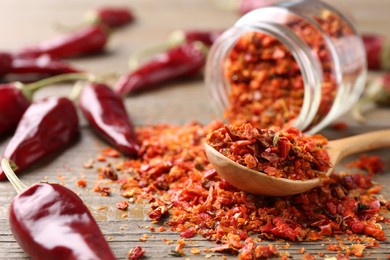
point(186, 195)
point(280, 153)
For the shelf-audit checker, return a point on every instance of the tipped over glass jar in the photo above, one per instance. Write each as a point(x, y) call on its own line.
point(298, 64)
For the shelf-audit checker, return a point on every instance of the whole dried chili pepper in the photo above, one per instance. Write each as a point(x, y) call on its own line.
point(47, 125)
point(84, 41)
point(49, 221)
point(5, 63)
point(185, 60)
point(42, 66)
point(175, 39)
point(106, 113)
point(15, 98)
point(378, 92)
point(377, 51)
point(112, 17)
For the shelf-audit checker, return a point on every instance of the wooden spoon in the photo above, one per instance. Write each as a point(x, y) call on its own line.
point(257, 182)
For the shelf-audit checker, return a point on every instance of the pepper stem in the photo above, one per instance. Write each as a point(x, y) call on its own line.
point(29, 89)
point(176, 38)
point(18, 185)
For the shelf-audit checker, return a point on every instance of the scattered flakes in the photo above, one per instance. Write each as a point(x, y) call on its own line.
point(122, 205)
point(167, 242)
point(110, 152)
point(135, 253)
point(339, 126)
point(88, 164)
point(102, 190)
point(195, 251)
point(82, 183)
point(109, 172)
point(301, 250)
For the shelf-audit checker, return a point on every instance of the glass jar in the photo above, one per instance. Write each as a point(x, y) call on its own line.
point(298, 64)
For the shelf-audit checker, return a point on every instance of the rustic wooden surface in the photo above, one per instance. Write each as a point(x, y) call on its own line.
point(23, 22)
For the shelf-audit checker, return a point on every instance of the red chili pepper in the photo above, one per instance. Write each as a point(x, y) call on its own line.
point(46, 126)
point(13, 103)
point(113, 17)
point(43, 65)
point(377, 51)
point(15, 98)
point(5, 63)
point(106, 113)
point(85, 41)
point(185, 60)
point(49, 221)
point(205, 37)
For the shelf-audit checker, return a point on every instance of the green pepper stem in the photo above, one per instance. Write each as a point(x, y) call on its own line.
point(18, 185)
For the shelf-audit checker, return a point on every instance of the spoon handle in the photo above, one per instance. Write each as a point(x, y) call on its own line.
point(362, 142)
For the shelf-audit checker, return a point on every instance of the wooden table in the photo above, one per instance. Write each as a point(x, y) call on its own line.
point(23, 22)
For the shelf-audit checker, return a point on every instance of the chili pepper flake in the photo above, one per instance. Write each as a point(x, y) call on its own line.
point(110, 152)
point(372, 164)
point(82, 183)
point(135, 253)
point(122, 205)
point(109, 172)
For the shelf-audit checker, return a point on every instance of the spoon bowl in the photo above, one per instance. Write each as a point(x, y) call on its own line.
point(260, 183)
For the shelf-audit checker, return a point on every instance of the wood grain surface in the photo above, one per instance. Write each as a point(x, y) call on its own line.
point(24, 22)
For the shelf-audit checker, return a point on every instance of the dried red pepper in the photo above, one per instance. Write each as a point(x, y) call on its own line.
point(46, 126)
point(50, 221)
point(42, 66)
point(112, 17)
point(16, 97)
point(183, 61)
point(377, 51)
point(106, 113)
point(378, 92)
point(177, 38)
point(85, 41)
point(280, 153)
point(5, 63)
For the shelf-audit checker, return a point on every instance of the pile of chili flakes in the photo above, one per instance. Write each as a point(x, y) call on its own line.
point(186, 195)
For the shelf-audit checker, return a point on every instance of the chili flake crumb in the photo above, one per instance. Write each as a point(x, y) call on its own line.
point(284, 153)
point(166, 241)
point(88, 164)
point(109, 172)
point(101, 158)
point(308, 256)
point(339, 126)
point(102, 190)
point(195, 251)
point(372, 164)
point(301, 250)
point(122, 205)
point(82, 183)
point(110, 152)
point(135, 253)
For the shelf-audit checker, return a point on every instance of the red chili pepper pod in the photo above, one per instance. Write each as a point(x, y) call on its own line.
point(13, 103)
point(205, 37)
point(377, 51)
point(5, 63)
point(106, 113)
point(49, 221)
point(185, 60)
point(47, 126)
point(84, 41)
point(113, 17)
point(43, 65)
